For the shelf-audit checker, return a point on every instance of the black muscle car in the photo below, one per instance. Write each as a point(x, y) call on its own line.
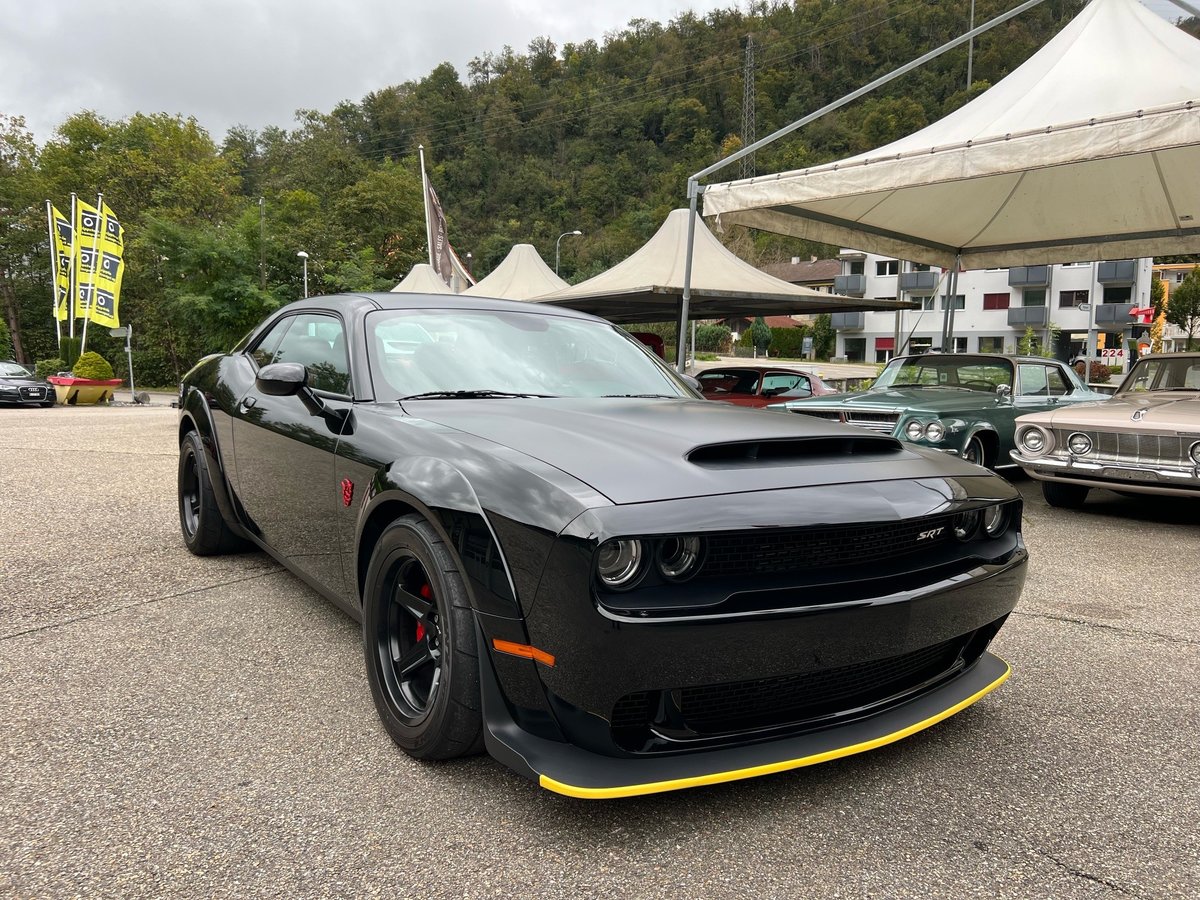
point(560, 552)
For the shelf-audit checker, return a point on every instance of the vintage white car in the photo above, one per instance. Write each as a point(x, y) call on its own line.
point(1145, 440)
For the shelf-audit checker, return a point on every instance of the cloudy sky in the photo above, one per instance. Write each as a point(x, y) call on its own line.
point(255, 62)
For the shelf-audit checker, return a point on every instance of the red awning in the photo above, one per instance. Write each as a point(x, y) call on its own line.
point(885, 343)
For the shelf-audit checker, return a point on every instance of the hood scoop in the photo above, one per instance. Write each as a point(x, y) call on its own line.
point(792, 451)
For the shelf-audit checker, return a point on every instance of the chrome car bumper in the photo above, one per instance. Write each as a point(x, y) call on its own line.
point(1148, 478)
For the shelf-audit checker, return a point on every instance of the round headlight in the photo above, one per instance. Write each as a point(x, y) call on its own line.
point(914, 431)
point(1079, 443)
point(1194, 453)
point(935, 431)
point(994, 519)
point(619, 562)
point(966, 524)
point(1032, 439)
point(678, 557)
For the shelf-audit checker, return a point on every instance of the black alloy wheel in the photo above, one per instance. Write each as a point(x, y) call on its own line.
point(420, 646)
point(205, 532)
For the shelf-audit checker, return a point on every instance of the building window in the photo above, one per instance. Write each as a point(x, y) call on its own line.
point(996, 301)
point(926, 302)
point(960, 345)
point(919, 267)
point(1118, 294)
point(887, 267)
point(960, 301)
point(1033, 297)
point(1071, 299)
point(991, 345)
point(856, 349)
point(857, 267)
point(920, 345)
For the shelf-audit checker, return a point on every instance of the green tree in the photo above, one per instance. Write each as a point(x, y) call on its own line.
point(760, 334)
point(1183, 308)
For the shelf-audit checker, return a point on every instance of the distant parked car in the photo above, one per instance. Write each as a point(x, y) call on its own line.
point(759, 385)
point(1145, 439)
point(964, 405)
point(19, 387)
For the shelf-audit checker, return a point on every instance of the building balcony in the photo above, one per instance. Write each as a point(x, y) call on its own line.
point(1029, 276)
point(850, 285)
point(918, 281)
point(1114, 312)
point(1117, 271)
point(1021, 316)
point(847, 321)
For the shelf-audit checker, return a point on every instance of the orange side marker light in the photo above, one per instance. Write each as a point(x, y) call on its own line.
point(524, 651)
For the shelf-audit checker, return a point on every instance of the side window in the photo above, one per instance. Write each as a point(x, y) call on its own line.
point(264, 350)
point(779, 382)
point(1033, 381)
point(1057, 383)
point(318, 343)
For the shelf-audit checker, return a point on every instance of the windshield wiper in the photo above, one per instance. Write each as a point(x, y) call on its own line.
point(467, 395)
point(650, 396)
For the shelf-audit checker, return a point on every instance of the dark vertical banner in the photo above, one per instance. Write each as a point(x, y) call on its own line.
point(442, 262)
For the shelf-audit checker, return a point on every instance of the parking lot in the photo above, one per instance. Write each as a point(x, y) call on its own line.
point(202, 727)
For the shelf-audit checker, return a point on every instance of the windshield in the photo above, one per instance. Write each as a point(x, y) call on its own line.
point(13, 370)
point(1164, 374)
point(469, 353)
point(972, 373)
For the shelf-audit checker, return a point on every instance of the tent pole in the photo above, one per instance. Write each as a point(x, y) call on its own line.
point(693, 189)
point(1195, 11)
point(952, 302)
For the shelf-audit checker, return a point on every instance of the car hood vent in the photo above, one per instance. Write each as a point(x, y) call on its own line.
point(791, 451)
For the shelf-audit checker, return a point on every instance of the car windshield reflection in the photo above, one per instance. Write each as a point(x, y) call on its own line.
point(480, 354)
point(973, 373)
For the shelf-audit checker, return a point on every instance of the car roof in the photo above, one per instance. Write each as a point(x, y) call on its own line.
point(389, 300)
point(759, 369)
point(1007, 357)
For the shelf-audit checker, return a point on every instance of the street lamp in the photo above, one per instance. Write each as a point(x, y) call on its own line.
point(304, 256)
point(558, 243)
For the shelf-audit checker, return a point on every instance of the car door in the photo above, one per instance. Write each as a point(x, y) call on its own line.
point(285, 453)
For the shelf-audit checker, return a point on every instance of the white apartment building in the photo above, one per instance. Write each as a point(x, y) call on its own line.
point(993, 307)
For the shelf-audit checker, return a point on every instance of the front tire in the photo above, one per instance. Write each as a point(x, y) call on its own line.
point(974, 452)
point(1064, 496)
point(205, 532)
point(419, 643)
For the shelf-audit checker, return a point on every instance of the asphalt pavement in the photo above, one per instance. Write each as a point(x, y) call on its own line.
point(174, 726)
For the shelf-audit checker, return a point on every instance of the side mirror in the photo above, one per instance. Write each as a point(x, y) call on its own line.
point(1003, 391)
point(692, 381)
point(282, 379)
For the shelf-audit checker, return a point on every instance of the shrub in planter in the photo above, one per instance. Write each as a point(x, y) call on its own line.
point(1098, 372)
point(47, 367)
point(92, 365)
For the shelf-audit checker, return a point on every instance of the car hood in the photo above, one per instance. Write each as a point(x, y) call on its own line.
point(1173, 410)
point(21, 381)
point(635, 450)
point(927, 400)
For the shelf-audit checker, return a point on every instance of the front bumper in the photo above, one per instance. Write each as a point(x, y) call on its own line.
point(1113, 474)
point(570, 770)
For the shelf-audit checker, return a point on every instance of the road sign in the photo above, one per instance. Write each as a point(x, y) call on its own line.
point(119, 332)
point(1084, 307)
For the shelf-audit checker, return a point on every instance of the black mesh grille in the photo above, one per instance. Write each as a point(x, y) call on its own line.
point(803, 549)
point(718, 708)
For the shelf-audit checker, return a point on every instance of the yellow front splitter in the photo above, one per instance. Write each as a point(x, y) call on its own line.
point(569, 770)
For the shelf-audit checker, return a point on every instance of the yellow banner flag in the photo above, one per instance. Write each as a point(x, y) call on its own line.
point(63, 234)
point(99, 264)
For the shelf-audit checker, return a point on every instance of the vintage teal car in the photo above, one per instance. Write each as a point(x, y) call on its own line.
point(961, 404)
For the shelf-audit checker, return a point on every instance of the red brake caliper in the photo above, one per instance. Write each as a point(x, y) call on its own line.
point(426, 593)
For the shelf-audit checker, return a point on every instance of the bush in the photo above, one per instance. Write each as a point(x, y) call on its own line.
point(713, 338)
point(92, 365)
point(788, 342)
point(47, 367)
point(68, 349)
point(1098, 372)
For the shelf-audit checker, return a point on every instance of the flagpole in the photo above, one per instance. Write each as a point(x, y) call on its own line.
point(54, 273)
point(425, 201)
point(91, 309)
point(71, 270)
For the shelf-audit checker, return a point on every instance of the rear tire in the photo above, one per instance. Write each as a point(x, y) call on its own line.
point(205, 532)
point(1064, 496)
point(419, 643)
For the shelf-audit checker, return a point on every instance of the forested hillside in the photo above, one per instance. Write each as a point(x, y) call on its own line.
point(598, 136)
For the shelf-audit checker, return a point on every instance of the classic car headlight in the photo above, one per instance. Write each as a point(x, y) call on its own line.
point(935, 431)
point(994, 519)
point(1033, 439)
point(1079, 444)
point(1194, 452)
point(679, 557)
point(618, 563)
point(914, 431)
point(966, 524)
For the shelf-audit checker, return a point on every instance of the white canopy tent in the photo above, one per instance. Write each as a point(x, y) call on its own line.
point(422, 279)
point(521, 276)
point(1090, 150)
point(648, 286)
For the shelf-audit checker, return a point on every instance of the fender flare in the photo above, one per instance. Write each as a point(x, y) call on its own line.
point(194, 410)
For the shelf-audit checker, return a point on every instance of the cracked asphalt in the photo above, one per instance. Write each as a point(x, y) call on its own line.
point(174, 726)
